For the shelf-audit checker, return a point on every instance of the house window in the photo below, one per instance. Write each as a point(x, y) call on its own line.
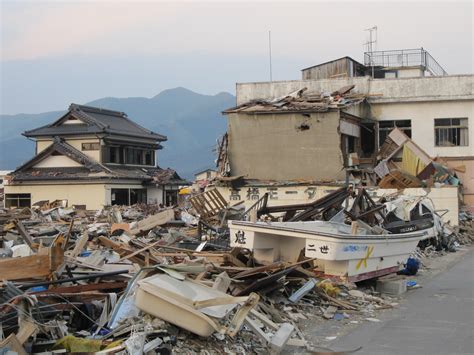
point(90, 146)
point(385, 127)
point(451, 132)
point(149, 157)
point(17, 200)
point(128, 155)
point(128, 196)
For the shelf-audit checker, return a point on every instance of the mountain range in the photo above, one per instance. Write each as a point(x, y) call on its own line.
point(192, 122)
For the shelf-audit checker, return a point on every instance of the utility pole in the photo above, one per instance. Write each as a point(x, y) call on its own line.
point(270, 52)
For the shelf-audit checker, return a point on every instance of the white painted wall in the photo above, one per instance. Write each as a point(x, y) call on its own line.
point(60, 161)
point(42, 144)
point(422, 115)
point(154, 195)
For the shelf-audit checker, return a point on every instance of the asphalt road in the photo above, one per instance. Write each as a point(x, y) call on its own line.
point(436, 319)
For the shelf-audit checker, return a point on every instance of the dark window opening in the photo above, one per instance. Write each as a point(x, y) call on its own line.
point(451, 132)
point(17, 200)
point(171, 197)
point(367, 139)
point(385, 127)
point(128, 155)
point(128, 197)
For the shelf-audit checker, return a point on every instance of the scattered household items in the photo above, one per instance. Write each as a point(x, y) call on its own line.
point(207, 275)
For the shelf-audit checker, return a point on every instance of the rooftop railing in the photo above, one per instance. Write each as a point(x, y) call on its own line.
point(404, 58)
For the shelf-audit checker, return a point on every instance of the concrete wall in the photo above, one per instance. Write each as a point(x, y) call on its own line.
point(91, 195)
point(272, 146)
point(433, 88)
point(76, 143)
point(410, 72)
point(422, 116)
point(279, 194)
point(420, 99)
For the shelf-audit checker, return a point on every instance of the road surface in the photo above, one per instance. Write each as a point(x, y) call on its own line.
point(436, 319)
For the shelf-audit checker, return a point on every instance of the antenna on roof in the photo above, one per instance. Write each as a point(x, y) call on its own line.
point(270, 52)
point(371, 44)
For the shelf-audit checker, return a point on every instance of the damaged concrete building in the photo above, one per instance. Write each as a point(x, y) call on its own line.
point(275, 134)
point(93, 157)
point(298, 136)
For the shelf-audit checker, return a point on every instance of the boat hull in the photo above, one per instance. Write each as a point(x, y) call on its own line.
point(354, 257)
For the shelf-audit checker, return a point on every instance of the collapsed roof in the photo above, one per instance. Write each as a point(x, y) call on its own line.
point(302, 101)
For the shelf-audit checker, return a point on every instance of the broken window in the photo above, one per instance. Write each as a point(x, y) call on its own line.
point(451, 132)
point(385, 127)
point(90, 146)
point(17, 200)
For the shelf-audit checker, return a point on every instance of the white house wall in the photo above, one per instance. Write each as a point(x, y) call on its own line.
point(76, 143)
point(60, 161)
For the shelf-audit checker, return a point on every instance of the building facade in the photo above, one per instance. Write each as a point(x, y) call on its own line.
point(416, 95)
point(92, 157)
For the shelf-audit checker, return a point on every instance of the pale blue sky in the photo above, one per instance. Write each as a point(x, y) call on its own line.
point(58, 52)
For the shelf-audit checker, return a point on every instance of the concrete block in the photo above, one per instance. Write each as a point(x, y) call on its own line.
point(392, 287)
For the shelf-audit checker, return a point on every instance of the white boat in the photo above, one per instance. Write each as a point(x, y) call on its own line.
point(357, 254)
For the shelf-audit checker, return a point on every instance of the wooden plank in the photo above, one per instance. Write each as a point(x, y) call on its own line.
point(25, 235)
point(13, 344)
point(39, 265)
point(80, 244)
point(139, 251)
point(153, 221)
point(27, 329)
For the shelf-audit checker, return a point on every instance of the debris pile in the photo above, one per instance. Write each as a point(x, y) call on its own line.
point(138, 279)
point(145, 278)
point(416, 169)
point(303, 100)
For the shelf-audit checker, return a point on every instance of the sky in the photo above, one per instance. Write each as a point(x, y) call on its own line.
point(57, 52)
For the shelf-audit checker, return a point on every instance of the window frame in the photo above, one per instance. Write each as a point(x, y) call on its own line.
point(90, 146)
point(17, 198)
point(457, 134)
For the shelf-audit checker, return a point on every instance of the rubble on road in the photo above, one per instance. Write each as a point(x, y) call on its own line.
point(148, 279)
